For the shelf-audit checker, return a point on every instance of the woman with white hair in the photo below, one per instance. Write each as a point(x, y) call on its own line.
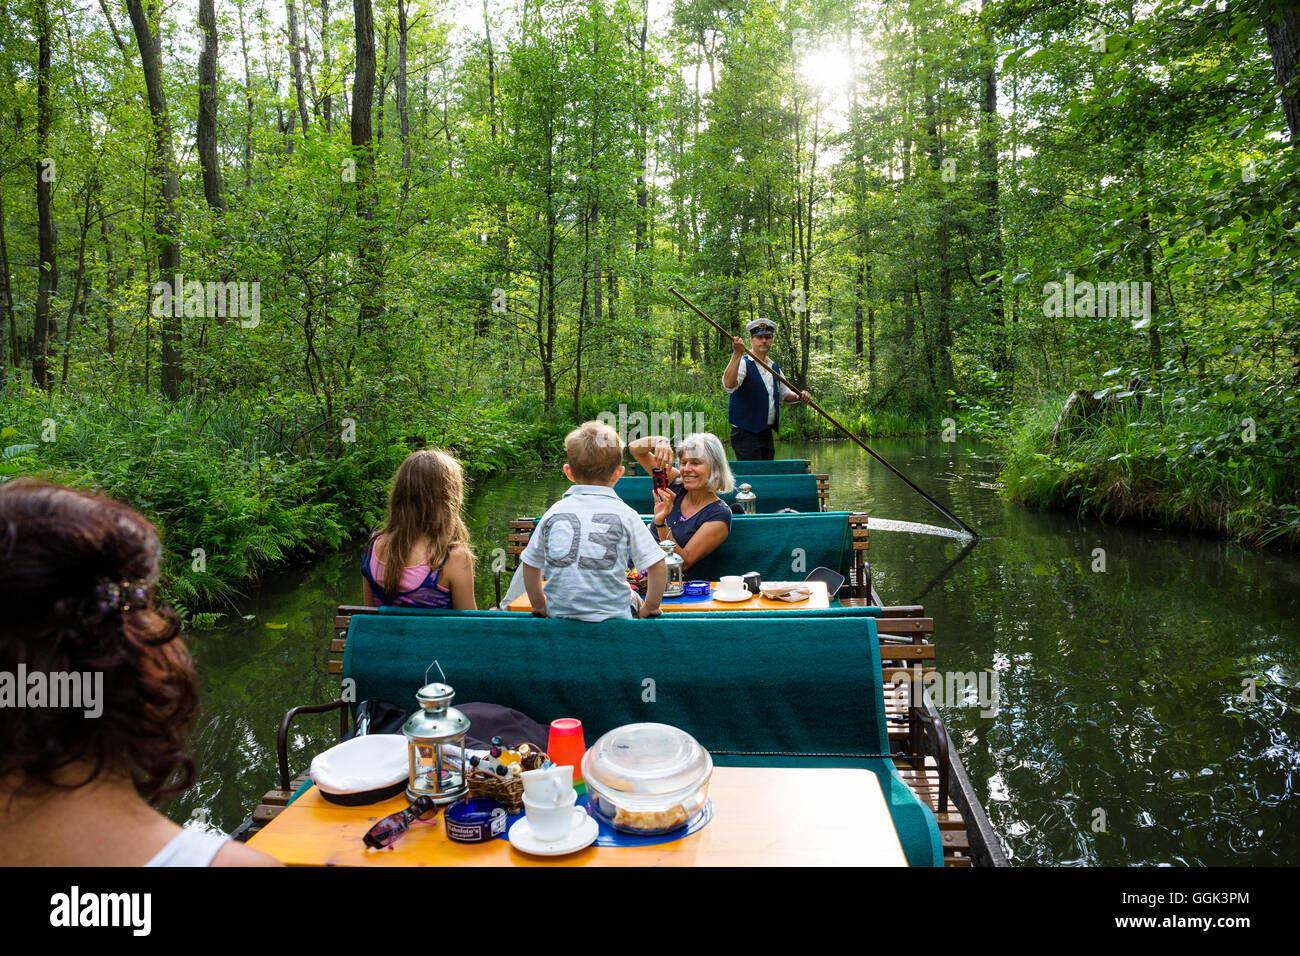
point(689, 511)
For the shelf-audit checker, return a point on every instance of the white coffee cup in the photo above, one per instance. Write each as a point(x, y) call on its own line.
point(732, 586)
point(548, 787)
point(551, 823)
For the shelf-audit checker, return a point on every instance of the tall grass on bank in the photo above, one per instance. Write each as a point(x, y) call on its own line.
point(237, 489)
point(1171, 463)
point(869, 423)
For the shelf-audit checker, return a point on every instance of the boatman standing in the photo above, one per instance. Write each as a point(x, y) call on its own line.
point(756, 397)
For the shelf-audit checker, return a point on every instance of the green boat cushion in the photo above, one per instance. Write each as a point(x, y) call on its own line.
point(778, 466)
point(780, 547)
point(809, 686)
point(774, 492)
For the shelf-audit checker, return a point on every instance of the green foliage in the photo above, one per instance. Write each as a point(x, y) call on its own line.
point(1194, 459)
point(234, 485)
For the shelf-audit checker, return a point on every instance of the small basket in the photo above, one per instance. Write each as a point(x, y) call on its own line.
point(507, 791)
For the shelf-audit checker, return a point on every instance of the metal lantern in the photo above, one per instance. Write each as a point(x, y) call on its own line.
point(747, 500)
point(674, 564)
point(431, 728)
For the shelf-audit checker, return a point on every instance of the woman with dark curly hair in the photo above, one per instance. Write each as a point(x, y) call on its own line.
point(97, 690)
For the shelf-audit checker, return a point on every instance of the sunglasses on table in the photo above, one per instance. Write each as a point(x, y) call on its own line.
point(387, 831)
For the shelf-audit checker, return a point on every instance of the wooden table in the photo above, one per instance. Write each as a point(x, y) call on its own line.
point(819, 601)
point(761, 817)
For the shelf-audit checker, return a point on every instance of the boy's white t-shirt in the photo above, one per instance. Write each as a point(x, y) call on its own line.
point(582, 544)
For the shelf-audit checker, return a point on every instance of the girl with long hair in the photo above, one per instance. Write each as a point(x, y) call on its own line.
point(421, 556)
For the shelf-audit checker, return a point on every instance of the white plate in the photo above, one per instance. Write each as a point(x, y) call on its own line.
point(582, 835)
point(732, 599)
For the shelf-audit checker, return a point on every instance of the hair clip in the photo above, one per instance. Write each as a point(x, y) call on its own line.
point(120, 596)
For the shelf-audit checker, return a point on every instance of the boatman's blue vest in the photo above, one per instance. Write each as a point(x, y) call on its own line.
point(747, 407)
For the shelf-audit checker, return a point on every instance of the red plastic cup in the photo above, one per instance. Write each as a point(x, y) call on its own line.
point(566, 744)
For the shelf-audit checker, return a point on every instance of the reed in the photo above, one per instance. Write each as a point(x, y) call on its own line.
point(1178, 465)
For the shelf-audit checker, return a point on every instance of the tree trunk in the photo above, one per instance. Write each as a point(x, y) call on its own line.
point(117, 37)
point(642, 309)
point(47, 268)
point(6, 288)
point(78, 302)
point(859, 282)
point(164, 171)
point(363, 93)
point(1282, 29)
point(994, 253)
point(483, 325)
point(207, 128)
point(248, 100)
point(944, 304)
point(295, 61)
point(1154, 347)
point(110, 345)
point(546, 318)
point(383, 90)
point(327, 101)
point(403, 121)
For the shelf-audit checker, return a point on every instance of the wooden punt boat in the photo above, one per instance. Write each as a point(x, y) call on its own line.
point(920, 746)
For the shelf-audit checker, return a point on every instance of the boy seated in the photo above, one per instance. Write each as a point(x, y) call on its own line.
point(582, 544)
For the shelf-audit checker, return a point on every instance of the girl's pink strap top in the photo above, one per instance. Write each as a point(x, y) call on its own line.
point(418, 585)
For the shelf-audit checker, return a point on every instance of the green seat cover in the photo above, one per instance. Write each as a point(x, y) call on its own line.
point(773, 492)
point(806, 684)
point(780, 547)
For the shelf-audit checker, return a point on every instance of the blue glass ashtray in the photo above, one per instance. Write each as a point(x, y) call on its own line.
point(696, 589)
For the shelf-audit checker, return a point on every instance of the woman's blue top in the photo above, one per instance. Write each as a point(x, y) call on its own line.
point(684, 529)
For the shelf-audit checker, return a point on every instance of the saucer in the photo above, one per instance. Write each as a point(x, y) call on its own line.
point(580, 837)
point(718, 595)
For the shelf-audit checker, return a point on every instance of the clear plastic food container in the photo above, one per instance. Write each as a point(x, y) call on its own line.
point(647, 778)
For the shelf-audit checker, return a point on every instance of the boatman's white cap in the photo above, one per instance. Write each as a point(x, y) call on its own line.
point(761, 326)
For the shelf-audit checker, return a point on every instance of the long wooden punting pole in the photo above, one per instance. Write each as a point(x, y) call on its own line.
point(831, 418)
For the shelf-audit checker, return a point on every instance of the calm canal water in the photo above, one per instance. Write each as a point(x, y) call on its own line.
point(1124, 694)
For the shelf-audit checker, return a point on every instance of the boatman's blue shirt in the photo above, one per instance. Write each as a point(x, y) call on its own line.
point(582, 545)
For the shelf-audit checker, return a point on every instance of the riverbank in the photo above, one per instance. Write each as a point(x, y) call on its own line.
point(1195, 465)
point(239, 488)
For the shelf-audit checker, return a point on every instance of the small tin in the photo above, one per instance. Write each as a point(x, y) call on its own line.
point(696, 588)
point(476, 820)
point(753, 583)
